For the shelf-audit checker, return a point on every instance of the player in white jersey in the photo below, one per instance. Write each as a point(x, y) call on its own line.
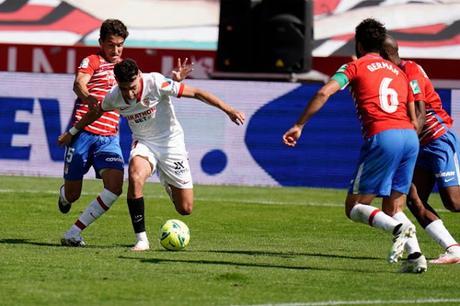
point(158, 139)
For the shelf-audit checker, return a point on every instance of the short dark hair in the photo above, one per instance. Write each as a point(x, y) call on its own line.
point(126, 70)
point(371, 34)
point(113, 27)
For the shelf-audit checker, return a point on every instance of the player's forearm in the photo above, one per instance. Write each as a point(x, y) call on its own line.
point(88, 118)
point(81, 90)
point(420, 112)
point(315, 104)
point(212, 100)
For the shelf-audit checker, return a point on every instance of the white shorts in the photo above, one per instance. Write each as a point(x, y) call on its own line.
point(172, 167)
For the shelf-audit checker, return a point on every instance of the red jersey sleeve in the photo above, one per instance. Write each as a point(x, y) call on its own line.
point(89, 64)
point(350, 70)
point(410, 95)
point(416, 80)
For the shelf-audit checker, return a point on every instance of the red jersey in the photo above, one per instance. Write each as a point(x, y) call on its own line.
point(101, 81)
point(381, 93)
point(437, 119)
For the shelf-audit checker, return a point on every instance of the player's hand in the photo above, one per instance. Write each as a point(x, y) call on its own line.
point(236, 116)
point(92, 102)
point(64, 139)
point(292, 135)
point(182, 70)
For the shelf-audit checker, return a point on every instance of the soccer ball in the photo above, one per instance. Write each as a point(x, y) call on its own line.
point(174, 235)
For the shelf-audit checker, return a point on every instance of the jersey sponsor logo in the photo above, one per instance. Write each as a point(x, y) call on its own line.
point(449, 179)
point(114, 159)
point(382, 65)
point(179, 168)
point(415, 87)
point(143, 116)
point(179, 165)
point(445, 174)
point(84, 63)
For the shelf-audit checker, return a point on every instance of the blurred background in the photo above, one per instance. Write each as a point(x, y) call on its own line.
point(425, 28)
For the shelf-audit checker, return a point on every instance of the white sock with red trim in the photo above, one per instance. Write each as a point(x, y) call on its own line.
point(440, 234)
point(372, 216)
point(412, 245)
point(94, 210)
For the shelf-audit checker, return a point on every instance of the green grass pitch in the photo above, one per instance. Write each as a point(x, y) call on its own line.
point(249, 246)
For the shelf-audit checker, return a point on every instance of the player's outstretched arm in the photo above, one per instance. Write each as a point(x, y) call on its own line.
point(207, 97)
point(65, 138)
point(314, 105)
point(182, 70)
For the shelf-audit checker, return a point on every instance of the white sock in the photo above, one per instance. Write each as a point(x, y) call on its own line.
point(73, 231)
point(142, 236)
point(439, 233)
point(96, 208)
point(454, 249)
point(373, 216)
point(412, 245)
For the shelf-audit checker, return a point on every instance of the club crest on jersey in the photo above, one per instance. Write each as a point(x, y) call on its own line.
point(145, 102)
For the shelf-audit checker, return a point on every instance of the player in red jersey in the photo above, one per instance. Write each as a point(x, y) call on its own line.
point(386, 110)
point(438, 157)
point(97, 145)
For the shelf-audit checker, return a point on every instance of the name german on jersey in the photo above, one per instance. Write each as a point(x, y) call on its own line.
point(382, 65)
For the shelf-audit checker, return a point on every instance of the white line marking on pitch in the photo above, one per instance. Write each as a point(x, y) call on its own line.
point(212, 199)
point(367, 302)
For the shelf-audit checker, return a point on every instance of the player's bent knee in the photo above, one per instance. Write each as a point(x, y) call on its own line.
point(117, 191)
point(453, 207)
point(136, 179)
point(452, 203)
point(185, 208)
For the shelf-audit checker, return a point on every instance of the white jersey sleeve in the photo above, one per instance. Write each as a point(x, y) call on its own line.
point(166, 86)
point(109, 102)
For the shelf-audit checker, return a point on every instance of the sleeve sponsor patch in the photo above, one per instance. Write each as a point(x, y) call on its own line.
point(342, 68)
point(415, 87)
point(84, 63)
point(166, 85)
point(169, 87)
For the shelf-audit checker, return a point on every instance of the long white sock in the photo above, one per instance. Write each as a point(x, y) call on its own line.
point(412, 245)
point(373, 216)
point(439, 233)
point(95, 209)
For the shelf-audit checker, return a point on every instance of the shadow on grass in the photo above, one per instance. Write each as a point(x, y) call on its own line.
point(247, 264)
point(28, 241)
point(288, 254)
point(57, 244)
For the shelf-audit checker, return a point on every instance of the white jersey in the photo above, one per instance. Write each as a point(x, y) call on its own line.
point(151, 118)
